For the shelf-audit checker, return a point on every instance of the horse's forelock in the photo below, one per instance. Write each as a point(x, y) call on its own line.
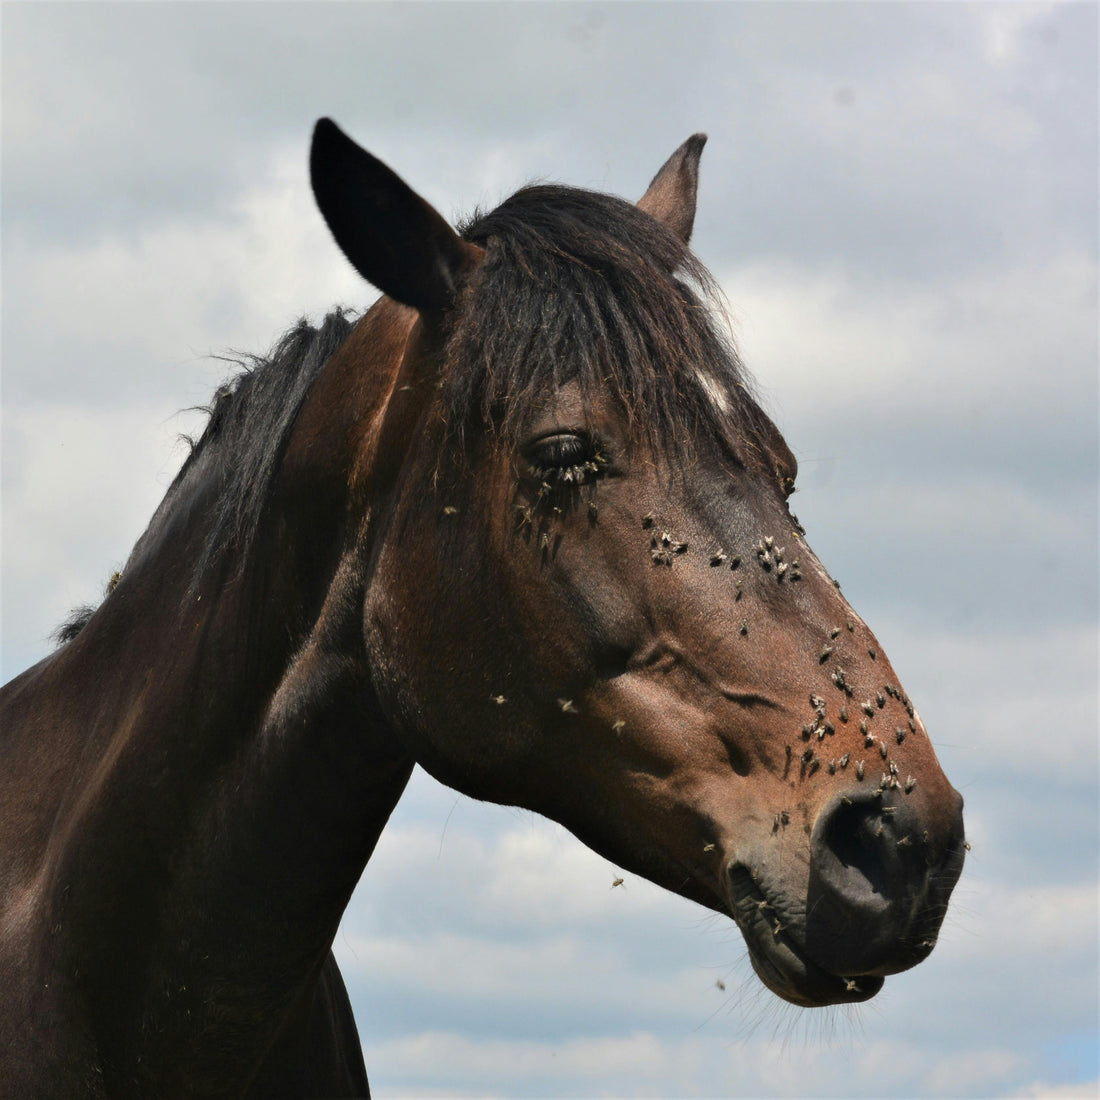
point(586, 288)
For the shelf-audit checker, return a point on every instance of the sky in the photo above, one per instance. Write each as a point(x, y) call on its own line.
point(900, 203)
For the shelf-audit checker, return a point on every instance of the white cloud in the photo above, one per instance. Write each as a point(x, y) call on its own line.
point(1041, 1090)
point(538, 969)
point(150, 306)
point(1036, 922)
point(80, 484)
point(1018, 703)
point(836, 351)
point(974, 1072)
point(1004, 29)
point(642, 1064)
point(526, 880)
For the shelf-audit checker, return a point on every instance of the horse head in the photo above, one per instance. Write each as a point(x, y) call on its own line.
point(583, 591)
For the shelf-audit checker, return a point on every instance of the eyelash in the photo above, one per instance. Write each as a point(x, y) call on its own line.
point(566, 458)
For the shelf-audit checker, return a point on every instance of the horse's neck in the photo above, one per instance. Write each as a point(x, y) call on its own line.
point(226, 779)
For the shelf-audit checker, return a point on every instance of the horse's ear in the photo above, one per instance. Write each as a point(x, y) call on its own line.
point(392, 237)
point(671, 195)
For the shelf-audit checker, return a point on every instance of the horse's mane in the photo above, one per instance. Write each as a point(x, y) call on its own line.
point(78, 619)
point(250, 421)
point(585, 287)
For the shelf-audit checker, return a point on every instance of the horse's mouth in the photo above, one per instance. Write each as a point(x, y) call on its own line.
point(778, 957)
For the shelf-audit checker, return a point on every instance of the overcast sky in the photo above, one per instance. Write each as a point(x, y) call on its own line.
point(900, 202)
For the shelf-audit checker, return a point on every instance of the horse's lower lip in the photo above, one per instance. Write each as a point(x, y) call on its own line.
point(779, 961)
point(803, 983)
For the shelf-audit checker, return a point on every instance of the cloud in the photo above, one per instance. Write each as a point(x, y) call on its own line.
point(925, 160)
point(969, 356)
point(1042, 1090)
point(999, 696)
point(946, 434)
point(1006, 30)
point(66, 527)
point(153, 308)
point(640, 1064)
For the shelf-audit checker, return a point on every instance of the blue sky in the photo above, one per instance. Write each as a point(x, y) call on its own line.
point(900, 202)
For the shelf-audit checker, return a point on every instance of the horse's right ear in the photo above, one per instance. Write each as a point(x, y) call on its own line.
point(392, 237)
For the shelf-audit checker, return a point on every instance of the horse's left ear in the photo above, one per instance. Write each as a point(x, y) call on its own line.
point(393, 238)
point(671, 195)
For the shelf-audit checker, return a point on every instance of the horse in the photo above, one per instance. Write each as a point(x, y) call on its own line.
point(523, 523)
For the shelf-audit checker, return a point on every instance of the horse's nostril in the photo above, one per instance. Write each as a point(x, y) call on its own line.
point(867, 878)
point(853, 844)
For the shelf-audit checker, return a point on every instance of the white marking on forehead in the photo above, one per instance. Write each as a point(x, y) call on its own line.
point(718, 397)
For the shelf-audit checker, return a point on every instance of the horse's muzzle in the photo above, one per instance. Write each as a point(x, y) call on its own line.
point(880, 878)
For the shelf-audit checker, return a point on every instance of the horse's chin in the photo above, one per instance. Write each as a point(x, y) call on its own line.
point(800, 981)
point(779, 960)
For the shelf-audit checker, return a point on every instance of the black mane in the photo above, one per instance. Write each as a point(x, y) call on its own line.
point(578, 285)
point(251, 418)
point(78, 619)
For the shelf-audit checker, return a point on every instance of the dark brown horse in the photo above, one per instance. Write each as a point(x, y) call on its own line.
point(523, 524)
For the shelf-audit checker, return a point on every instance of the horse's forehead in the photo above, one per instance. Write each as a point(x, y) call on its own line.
point(569, 404)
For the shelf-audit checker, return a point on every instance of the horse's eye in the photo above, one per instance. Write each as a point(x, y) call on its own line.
point(563, 449)
point(564, 457)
